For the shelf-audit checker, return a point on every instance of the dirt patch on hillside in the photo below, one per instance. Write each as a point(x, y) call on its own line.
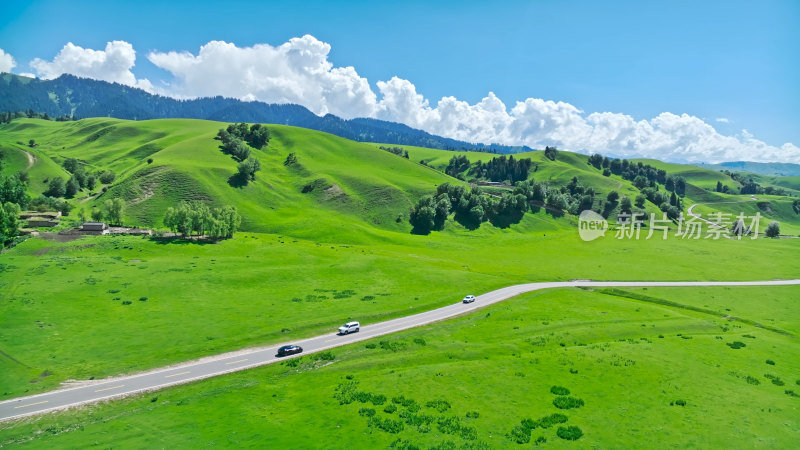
point(333, 191)
point(42, 251)
point(58, 237)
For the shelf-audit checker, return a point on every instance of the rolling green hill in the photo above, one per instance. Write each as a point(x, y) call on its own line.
point(321, 244)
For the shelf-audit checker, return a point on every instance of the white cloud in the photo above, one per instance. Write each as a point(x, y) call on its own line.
point(295, 72)
point(299, 71)
point(6, 61)
point(722, 120)
point(112, 64)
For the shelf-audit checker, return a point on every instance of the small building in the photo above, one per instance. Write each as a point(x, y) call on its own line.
point(95, 228)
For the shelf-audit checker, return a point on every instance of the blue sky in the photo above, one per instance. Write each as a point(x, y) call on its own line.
point(734, 60)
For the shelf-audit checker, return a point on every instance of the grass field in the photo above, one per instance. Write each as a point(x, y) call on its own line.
point(648, 374)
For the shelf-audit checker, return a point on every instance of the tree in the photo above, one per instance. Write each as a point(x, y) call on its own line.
point(550, 153)
point(773, 229)
point(796, 206)
point(625, 205)
point(72, 187)
point(422, 217)
point(640, 199)
point(248, 168)
point(719, 186)
point(258, 136)
point(613, 196)
point(107, 177)
point(14, 189)
point(70, 164)
point(114, 210)
point(97, 215)
point(56, 188)
point(31, 143)
point(596, 160)
point(9, 221)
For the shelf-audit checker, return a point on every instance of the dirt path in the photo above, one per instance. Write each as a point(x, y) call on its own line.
point(31, 159)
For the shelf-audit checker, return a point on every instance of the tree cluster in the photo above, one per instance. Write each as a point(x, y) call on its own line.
point(197, 217)
point(395, 150)
point(456, 166)
point(502, 169)
point(111, 213)
point(256, 135)
point(13, 189)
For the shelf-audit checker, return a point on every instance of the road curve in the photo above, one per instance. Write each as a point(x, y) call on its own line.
point(96, 391)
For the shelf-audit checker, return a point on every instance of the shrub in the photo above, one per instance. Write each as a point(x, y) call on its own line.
point(378, 399)
point(367, 298)
point(142, 299)
point(366, 412)
point(154, 399)
point(775, 379)
point(420, 341)
point(680, 402)
point(570, 433)
point(752, 380)
point(770, 362)
point(736, 345)
point(149, 160)
point(519, 434)
point(371, 345)
point(790, 393)
point(438, 405)
point(390, 408)
point(540, 440)
point(113, 291)
point(552, 419)
point(573, 371)
point(559, 390)
point(473, 414)
point(323, 356)
point(567, 402)
point(126, 302)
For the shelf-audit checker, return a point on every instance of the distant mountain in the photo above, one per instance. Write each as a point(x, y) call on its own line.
point(770, 169)
point(81, 98)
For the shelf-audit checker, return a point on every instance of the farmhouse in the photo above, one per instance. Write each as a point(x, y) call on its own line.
point(95, 228)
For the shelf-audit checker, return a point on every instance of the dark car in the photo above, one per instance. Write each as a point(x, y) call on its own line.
point(287, 350)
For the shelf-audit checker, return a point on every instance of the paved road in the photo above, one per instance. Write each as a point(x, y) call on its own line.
point(231, 362)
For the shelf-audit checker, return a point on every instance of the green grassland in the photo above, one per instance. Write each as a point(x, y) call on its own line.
point(649, 371)
point(321, 245)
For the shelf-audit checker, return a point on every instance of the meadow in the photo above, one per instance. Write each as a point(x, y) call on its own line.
point(640, 374)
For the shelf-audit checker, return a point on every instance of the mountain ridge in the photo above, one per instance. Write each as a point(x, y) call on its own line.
point(76, 97)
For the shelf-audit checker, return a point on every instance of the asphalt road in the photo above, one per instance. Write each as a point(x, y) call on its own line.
point(95, 391)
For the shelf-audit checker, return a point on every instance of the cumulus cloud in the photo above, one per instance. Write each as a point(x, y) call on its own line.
point(295, 72)
point(6, 61)
point(299, 71)
point(112, 64)
point(722, 120)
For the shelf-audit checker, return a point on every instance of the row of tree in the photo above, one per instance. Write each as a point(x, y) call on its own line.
point(79, 179)
point(197, 217)
point(502, 168)
point(8, 116)
point(9, 222)
point(395, 150)
point(237, 140)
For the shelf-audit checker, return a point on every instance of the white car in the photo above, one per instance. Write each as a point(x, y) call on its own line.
point(468, 299)
point(349, 327)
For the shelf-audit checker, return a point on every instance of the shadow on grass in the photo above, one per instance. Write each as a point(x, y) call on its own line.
point(237, 180)
point(180, 240)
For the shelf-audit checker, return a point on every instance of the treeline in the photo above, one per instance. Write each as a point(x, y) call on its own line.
point(502, 168)
point(396, 150)
point(197, 217)
point(237, 140)
point(8, 116)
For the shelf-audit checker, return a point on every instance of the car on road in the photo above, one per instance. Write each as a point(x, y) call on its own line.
point(349, 327)
point(287, 350)
point(468, 299)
